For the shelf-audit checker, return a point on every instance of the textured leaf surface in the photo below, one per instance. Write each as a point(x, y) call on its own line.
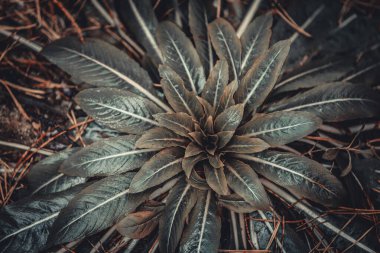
point(180, 201)
point(230, 119)
point(203, 232)
point(180, 55)
point(236, 203)
point(45, 178)
point(216, 179)
point(160, 137)
point(140, 224)
point(255, 41)
point(299, 174)
point(180, 99)
point(227, 99)
point(98, 63)
point(180, 123)
point(161, 167)
point(216, 83)
point(280, 128)
point(198, 21)
point(334, 102)
point(24, 225)
point(141, 20)
point(226, 44)
point(118, 109)
point(245, 145)
point(245, 182)
point(261, 78)
point(107, 157)
point(95, 208)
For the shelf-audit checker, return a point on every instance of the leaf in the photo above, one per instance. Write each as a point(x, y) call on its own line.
point(197, 181)
point(180, 55)
point(216, 83)
point(245, 182)
point(160, 137)
point(107, 157)
point(188, 163)
point(280, 128)
point(44, 178)
point(118, 109)
point(180, 99)
point(141, 20)
point(245, 145)
point(255, 40)
point(230, 119)
point(227, 99)
point(198, 22)
point(224, 138)
point(95, 208)
point(203, 232)
point(192, 149)
point(180, 123)
point(334, 102)
point(226, 44)
point(98, 63)
point(236, 203)
point(140, 224)
point(180, 201)
point(24, 225)
point(305, 177)
point(216, 179)
point(312, 75)
point(261, 78)
point(161, 167)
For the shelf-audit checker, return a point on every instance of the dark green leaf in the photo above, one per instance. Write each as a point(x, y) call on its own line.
point(95, 208)
point(227, 99)
point(226, 44)
point(255, 41)
point(230, 119)
point(188, 163)
point(118, 109)
point(245, 182)
point(161, 167)
point(180, 55)
point(181, 200)
point(261, 78)
point(303, 176)
point(180, 123)
point(216, 179)
point(236, 203)
point(280, 128)
point(203, 232)
point(160, 137)
point(245, 145)
point(107, 157)
point(334, 102)
point(44, 177)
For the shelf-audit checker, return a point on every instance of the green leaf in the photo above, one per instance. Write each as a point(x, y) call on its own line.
point(236, 203)
point(203, 232)
point(118, 109)
point(261, 78)
point(25, 224)
point(301, 175)
point(227, 99)
point(107, 157)
point(255, 40)
point(280, 128)
point(180, 123)
point(160, 137)
point(44, 177)
point(334, 102)
point(180, 99)
point(180, 55)
point(245, 145)
point(161, 167)
point(216, 179)
point(216, 83)
point(226, 44)
point(180, 201)
point(230, 119)
point(245, 182)
point(95, 208)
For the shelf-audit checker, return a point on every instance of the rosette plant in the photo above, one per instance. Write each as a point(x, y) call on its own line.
point(196, 143)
